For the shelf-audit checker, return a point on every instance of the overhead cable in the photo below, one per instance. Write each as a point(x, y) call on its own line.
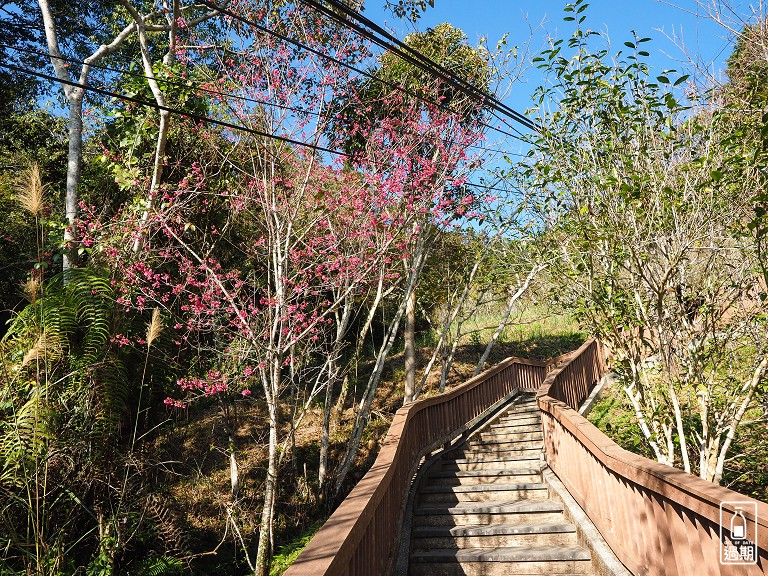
point(206, 90)
point(415, 57)
point(346, 65)
point(179, 112)
point(172, 110)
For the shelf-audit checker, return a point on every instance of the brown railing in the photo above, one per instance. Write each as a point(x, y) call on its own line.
point(361, 537)
point(658, 520)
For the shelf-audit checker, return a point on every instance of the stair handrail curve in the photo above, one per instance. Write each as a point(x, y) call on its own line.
point(658, 520)
point(361, 537)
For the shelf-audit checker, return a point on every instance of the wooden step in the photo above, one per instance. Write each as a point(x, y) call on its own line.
point(499, 449)
point(521, 412)
point(533, 440)
point(493, 476)
point(494, 536)
point(500, 561)
point(484, 493)
point(509, 428)
point(515, 423)
point(484, 509)
point(493, 461)
point(480, 513)
point(510, 437)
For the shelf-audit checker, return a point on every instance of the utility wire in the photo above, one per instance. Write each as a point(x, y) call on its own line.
point(415, 57)
point(415, 61)
point(179, 112)
point(335, 60)
point(172, 110)
point(446, 75)
point(165, 81)
point(206, 90)
point(424, 63)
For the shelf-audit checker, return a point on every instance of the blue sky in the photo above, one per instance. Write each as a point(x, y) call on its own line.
point(651, 18)
point(702, 37)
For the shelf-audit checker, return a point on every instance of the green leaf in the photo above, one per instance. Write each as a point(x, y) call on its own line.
point(682, 79)
point(662, 79)
point(630, 44)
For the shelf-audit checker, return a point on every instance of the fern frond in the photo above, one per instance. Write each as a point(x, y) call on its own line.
point(25, 433)
point(160, 566)
point(110, 392)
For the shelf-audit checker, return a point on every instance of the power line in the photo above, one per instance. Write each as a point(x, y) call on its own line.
point(172, 110)
point(165, 81)
point(420, 60)
point(339, 62)
point(206, 90)
point(417, 61)
point(424, 63)
point(179, 112)
point(415, 57)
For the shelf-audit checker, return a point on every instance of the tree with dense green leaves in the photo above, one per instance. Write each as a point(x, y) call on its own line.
point(653, 254)
point(103, 31)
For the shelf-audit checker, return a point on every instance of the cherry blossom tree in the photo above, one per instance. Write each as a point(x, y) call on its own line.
point(262, 248)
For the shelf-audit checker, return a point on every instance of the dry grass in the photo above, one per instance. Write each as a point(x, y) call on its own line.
point(154, 327)
point(30, 191)
point(45, 348)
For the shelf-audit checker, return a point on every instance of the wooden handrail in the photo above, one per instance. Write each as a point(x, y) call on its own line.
point(361, 537)
point(658, 520)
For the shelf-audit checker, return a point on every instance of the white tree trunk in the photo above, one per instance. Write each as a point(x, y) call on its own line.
point(510, 306)
point(751, 387)
point(75, 96)
point(364, 408)
point(410, 348)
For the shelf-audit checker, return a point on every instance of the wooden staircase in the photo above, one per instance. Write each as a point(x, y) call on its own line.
point(484, 509)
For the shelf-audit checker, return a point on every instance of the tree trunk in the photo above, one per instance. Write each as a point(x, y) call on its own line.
point(342, 327)
point(500, 328)
point(365, 403)
point(264, 552)
point(165, 115)
point(680, 429)
point(373, 381)
point(635, 399)
point(752, 385)
point(157, 173)
point(410, 348)
point(322, 470)
point(75, 154)
point(75, 96)
point(449, 355)
point(380, 293)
